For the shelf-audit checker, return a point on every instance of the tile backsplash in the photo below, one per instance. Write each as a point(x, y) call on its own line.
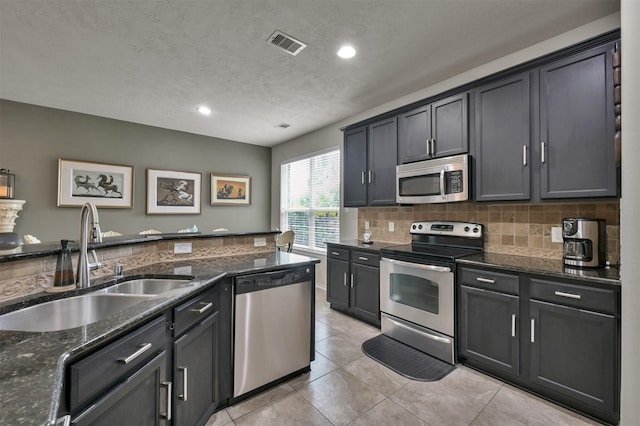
point(520, 229)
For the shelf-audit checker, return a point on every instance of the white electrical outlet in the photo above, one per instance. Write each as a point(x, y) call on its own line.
point(556, 234)
point(183, 270)
point(366, 224)
point(259, 242)
point(392, 227)
point(182, 248)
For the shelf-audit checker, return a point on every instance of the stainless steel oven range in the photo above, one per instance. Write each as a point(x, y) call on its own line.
point(417, 285)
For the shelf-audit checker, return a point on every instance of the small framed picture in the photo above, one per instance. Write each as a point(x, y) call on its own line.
point(230, 190)
point(170, 192)
point(105, 185)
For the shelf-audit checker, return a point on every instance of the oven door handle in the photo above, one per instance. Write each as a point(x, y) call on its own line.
point(417, 265)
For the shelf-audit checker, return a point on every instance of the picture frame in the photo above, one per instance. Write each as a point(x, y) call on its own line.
point(230, 190)
point(105, 185)
point(173, 192)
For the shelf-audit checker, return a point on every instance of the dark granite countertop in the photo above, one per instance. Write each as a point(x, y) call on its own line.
point(540, 266)
point(374, 246)
point(51, 248)
point(32, 364)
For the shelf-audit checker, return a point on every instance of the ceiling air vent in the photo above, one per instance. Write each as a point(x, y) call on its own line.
point(286, 43)
point(282, 125)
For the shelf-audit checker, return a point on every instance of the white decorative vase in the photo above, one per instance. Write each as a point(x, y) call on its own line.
point(9, 213)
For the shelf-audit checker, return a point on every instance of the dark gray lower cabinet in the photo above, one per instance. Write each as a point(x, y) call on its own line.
point(488, 331)
point(557, 338)
point(573, 354)
point(142, 399)
point(353, 282)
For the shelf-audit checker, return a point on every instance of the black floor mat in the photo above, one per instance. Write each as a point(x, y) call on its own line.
point(406, 360)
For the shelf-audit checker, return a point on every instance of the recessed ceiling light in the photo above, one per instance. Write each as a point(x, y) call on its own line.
point(204, 110)
point(347, 52)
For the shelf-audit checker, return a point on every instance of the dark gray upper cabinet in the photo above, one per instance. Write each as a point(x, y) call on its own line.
point(370, 154)
point(503, 140)
point(577, 152)
point(435, 130)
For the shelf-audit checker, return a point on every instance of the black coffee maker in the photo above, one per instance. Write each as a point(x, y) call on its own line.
point(584, 242)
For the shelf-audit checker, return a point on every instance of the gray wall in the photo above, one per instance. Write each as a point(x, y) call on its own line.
point(32, 138)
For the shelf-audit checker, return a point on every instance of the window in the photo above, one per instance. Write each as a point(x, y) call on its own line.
point(310, 199)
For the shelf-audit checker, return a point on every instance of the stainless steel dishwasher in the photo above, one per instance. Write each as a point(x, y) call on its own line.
point(272, 327)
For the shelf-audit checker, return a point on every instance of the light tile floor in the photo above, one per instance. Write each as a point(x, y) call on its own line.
point(345, 387)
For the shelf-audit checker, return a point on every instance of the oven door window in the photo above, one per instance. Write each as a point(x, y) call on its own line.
point(417, 292)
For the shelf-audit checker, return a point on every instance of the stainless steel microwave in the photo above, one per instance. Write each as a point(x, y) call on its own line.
point(442, 180)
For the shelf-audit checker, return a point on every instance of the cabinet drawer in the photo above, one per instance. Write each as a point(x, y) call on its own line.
point(95, 373)
point(490, 280)
point(576, 295)
point(337, 253)
point(366, 258)
point(196, 309)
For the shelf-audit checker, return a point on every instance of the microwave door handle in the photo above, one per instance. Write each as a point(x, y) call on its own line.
point(442, 184)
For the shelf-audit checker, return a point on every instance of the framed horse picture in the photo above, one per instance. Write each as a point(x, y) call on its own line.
point(170, 192)
point(105, 185)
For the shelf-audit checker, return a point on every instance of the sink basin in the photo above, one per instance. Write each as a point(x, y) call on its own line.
point(68, 313)
point(147, 286)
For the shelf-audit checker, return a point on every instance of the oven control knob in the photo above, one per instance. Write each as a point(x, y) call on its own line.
point(419, 226)
point(413, 226)
point(476, 230)
point(466, 229)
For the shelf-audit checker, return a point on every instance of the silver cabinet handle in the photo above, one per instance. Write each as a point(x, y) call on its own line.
point(204, 309)
point(485, 280)
point(542, 152)
point(533, 330)
point(363, 258)
point(362, 177)
point(524, 155)
point(143, 348)
point(185, 373)
point(433, 147)
point(569, 295)
point(351, 280)
point(428, 147)
point(335, 253)
point(513, 325)
point(345, 279)
point(167, 415)
point(370, 176)
point(442, 184)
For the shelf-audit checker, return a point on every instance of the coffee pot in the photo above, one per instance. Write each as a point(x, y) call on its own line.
point(584, 242)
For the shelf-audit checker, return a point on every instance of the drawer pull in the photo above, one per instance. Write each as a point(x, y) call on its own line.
point(167, 415)
point(351, 280)
point(143, 348)
point(204, 309)
point(486, 280)
point(533, 330)
point(345, 279)
point(185, 372)
point(363, 258)
point(569, 295)
point(513, 325)
point(335, 253)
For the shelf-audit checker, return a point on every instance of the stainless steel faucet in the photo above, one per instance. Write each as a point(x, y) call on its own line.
point(89, 232)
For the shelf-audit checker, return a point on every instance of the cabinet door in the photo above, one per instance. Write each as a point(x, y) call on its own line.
point(365, 293)
point(573, 354)
point(450, 126)
point(502, 158)
point(355, 167)
point(338, 283)
point(414, 132)
point(577, 126)
point(196, 373)
point(488, 329)
point(140, 400)
point(382, 158)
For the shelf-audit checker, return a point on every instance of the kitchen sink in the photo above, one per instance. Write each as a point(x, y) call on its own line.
point(68, 313)
point(148, 286)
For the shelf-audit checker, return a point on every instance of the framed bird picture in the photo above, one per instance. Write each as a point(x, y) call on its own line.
point(105, 185)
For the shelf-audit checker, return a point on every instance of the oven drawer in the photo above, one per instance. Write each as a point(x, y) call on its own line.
point(578, 296)
point(490, 280)
point(366, 258)
point(337, 253)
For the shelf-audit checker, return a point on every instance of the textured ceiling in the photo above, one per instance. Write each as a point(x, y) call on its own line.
point(153, 62)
